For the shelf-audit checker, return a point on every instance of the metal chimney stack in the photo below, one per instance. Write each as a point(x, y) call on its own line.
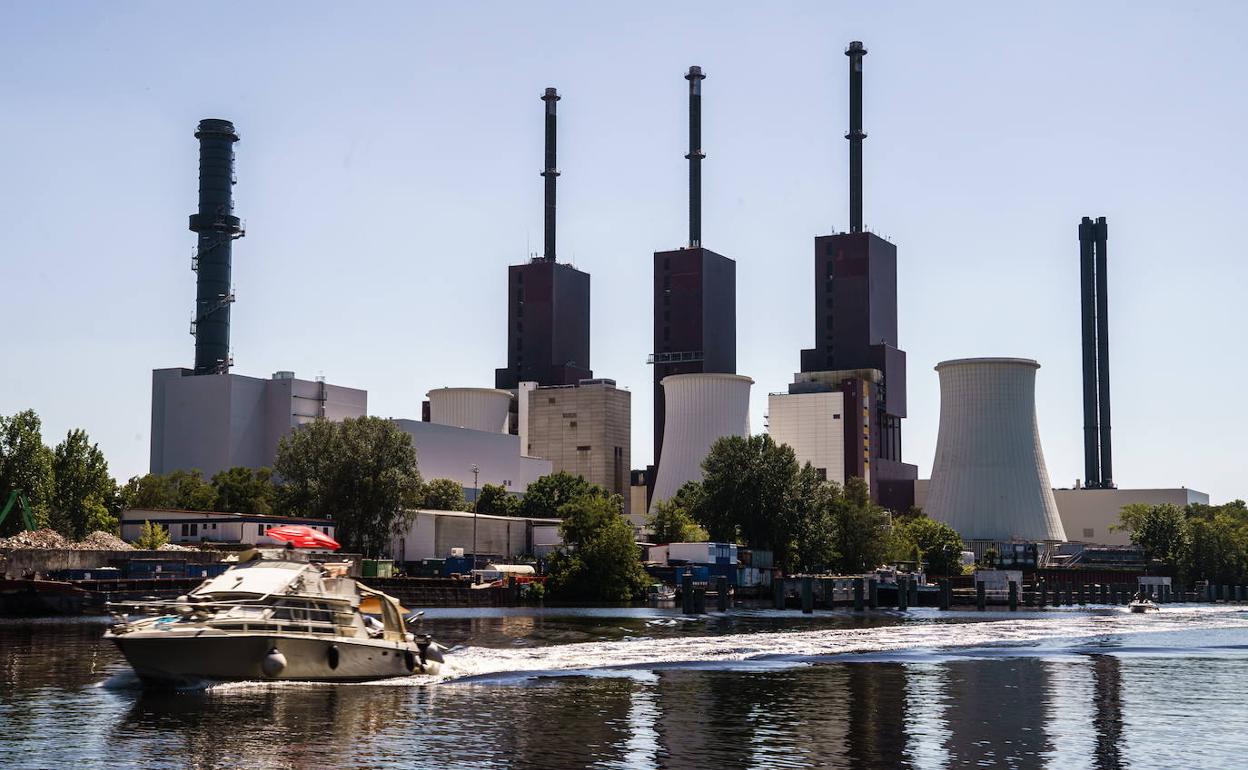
point(1094, 291)
point(695, 156)
point(217, 227)
point(855, 52)
point(550, 173)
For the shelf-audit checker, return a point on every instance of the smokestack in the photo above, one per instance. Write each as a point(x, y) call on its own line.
point(1091, 418)
point(695, 156)
point(1102, 352)
point(550, 173)
point(217, 227)
point(855, 52)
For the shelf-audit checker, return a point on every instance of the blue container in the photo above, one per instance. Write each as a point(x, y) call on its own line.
point(155, 569)
point(461, 565)
point(205, 570)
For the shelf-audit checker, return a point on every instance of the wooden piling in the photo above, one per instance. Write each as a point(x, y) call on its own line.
point(808, 595)
point(721, 593)
point(777, 593)
point(1013, 596)
point(686, 593)
point(873, 593)
point(944, 593)
point(903, 593)
point(981, 596)
point(860, 589)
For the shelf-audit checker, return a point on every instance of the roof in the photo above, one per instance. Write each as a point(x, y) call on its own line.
point(137, 514)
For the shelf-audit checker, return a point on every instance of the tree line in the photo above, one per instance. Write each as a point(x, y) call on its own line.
point(1193, 542)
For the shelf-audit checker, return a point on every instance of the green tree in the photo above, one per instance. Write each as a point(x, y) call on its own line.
point(749, 487)
point(937, 544)
point(861, 527)
point(494, 499)
point(1161, 530)
point(599, 560)
point(544, 497)
point(1215, 549)
point(151, 537)
point(444, 495)
point(82, 487)
point(243, 490)
point(360, 472)
point(182, 490)
point(673, 523)
point(813, 544)
point(25, 464)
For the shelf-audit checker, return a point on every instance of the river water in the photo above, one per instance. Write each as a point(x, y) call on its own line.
point(639, 688)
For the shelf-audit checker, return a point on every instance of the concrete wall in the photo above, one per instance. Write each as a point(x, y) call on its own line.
point(444, 451)
point(214, 422)
point(14, 563)
point(584, 430)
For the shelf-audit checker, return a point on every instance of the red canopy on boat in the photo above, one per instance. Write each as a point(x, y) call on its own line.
point(303, 537)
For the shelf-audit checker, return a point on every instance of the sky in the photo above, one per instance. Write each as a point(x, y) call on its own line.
point(388, 174)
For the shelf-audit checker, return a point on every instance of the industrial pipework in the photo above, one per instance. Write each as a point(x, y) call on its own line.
point(695, 156)
point(855, 52)
point(217, 227)
point(550, 173)
point(1094, 295)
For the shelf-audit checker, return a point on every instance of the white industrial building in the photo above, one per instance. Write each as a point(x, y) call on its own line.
point(989, 480)
point(812, 424)
point(212, 422)
point(449, 452)
point(436, 534)
point(700, 409)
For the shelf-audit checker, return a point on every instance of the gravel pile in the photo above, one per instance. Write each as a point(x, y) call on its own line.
point(40, 538)
point(174, 547)
point(101, 541)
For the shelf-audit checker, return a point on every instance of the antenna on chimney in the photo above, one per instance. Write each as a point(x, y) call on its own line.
point(855, 52)
point(550, 173)
point(695, 156)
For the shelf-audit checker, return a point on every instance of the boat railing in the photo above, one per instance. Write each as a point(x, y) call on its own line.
point(302, 616)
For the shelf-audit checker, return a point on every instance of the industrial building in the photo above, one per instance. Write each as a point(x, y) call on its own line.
point(856, 351)
point(217, 421)
point(582, 429)
point(437, 534)
point(989, 481)
point(214, 526)
point(451, 452)
point(702, 408)
point(695, 295)
point(547, 302)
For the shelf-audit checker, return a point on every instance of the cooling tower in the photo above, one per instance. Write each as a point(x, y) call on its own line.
point(484, 409)
point(700, 409)
point(988, 479)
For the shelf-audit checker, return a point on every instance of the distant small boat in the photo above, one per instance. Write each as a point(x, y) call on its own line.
point(657, 592)
point(1143, 605)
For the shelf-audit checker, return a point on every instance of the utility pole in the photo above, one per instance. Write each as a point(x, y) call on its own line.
point(476, 494)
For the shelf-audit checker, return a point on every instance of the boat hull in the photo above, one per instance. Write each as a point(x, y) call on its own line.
point(181, 660)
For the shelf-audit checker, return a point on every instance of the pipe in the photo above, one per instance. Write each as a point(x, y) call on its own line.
point(1102, 351)
point(695, 156)
point(1087, 285)
point(217, 227)
point(855, 52)
point(550, 173)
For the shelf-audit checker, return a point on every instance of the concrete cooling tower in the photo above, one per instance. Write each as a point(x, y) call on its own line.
point(484, 409)
point(700, 409)
point(989, 481)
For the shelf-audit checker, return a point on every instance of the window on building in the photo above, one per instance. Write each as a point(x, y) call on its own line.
point(550, 401)
point(569, 415)
point(572, 424)
point(822, 473)
point(836, 417)
point(1089, 532)
point(583, 448)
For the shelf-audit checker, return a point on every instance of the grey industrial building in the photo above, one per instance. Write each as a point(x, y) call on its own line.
point(583, 429)
point(450, 452)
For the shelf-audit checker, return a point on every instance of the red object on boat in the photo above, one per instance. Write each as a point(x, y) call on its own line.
point(303, 537)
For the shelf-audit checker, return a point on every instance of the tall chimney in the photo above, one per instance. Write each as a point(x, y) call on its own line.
point(1101, 230)
point(550, 173)
point(695, 156)
point(1091, 417)
point(217, 227)
point(855, 52)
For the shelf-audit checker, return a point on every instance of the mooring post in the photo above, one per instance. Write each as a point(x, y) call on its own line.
point(686, 593)
point(1070, 595)
point(860, 588)
point(721, 593)
point(1083, 594)
point(913, 584)
point(777, 593)
point(808, 595)
point(873, 593)
point(981, 596)
point(1013, 596)
point(944, 593)
point(903, 593)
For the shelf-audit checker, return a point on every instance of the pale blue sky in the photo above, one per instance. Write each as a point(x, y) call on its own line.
point(388, 174)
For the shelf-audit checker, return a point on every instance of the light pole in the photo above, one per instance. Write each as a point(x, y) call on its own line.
point(476, 493)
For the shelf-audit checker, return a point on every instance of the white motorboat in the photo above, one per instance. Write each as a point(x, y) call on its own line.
point(1143, 605)
point(273, 616)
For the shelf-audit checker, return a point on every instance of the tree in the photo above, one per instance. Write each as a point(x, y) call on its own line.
point(25, 464)
point(81, 488)
point(494, 499)
point(599, 560)
point(1161, 530)
point(444, 495)
point(243, 490)
point(862, 542)
point(183, 490)
point(151, 537)
point(813, 544)
point(749, 486)
point(1215, 549)
point(360, 472)
point(937, 543)
point(544, 497)
point(673, 523)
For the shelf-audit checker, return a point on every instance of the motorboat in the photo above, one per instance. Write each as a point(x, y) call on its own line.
point(1142, 605)
point(275, 615)
point(659, 592)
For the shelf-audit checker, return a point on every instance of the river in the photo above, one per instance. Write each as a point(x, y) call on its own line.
point(640, 688)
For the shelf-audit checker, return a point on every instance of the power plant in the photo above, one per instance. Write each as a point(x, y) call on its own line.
point(1097, 449)
point(217, 228)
